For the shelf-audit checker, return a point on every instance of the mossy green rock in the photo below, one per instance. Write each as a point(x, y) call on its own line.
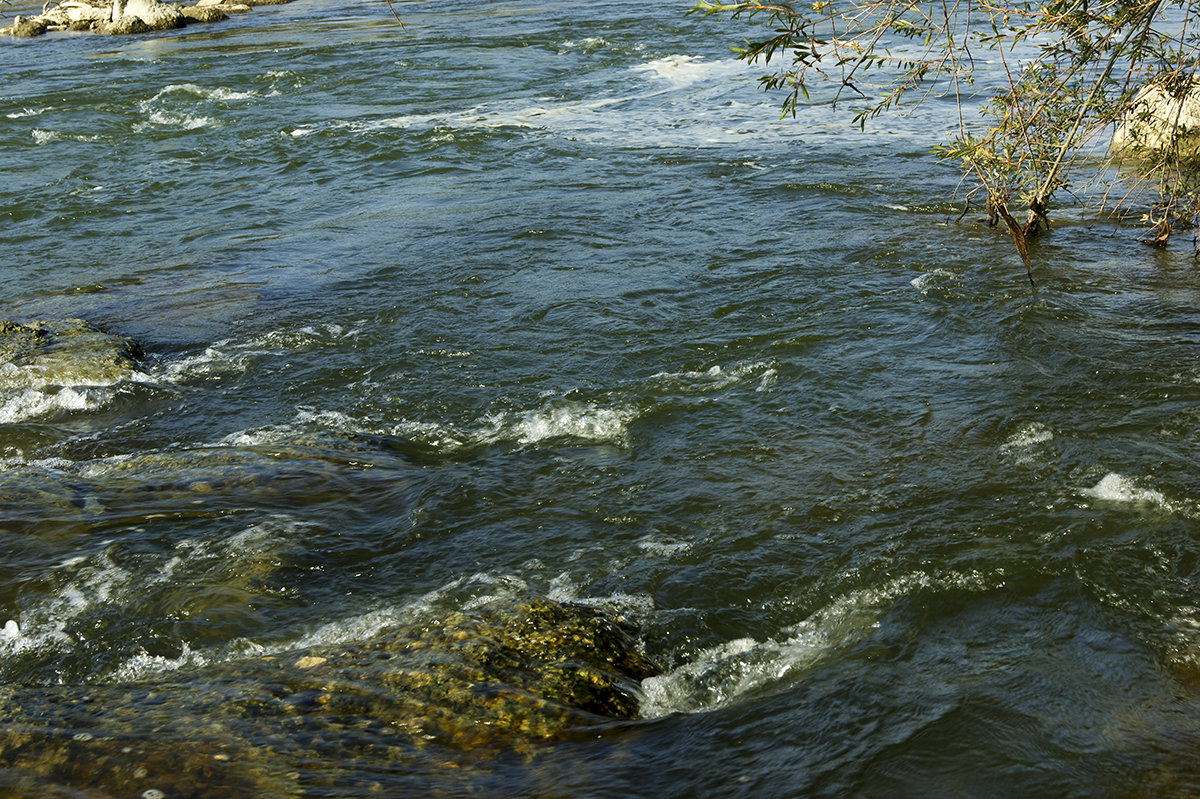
point(500, 677)
point(64, 352)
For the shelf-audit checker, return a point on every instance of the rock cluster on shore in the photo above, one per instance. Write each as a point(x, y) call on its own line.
point(126, 16)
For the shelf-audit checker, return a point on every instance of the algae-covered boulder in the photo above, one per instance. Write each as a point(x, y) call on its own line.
point(501, 676)
point(63, 352)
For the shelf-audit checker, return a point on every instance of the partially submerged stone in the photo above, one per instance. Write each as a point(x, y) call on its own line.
point(63, 352)
point(198, 13)
point(1158, 121)
point(507, 674)
point(301, 471)
point(24, 27)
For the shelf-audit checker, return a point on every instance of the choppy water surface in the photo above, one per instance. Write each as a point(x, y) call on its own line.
point(892, 521)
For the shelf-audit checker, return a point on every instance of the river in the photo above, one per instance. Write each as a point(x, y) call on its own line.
point(893, 522)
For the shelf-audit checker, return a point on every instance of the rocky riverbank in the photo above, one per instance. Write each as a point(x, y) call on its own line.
point(112, 17)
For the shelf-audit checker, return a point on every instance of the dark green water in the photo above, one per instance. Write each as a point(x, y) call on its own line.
point(896, 523)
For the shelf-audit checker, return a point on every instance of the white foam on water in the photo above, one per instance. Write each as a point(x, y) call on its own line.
point(554, 421)
point(101, 581)
point(588, 45)
point(578, 420)
point(1117, 488)
point(671, 83)
point(229, 356)
point(220, 358)
point(191, 90)
point(32, 403)
point(685, 70)
point(926, 281)
point(1023, 444)
point(27, 112)
point(164, 119)
point(47, 464)
point(178, 106)
point(143, 664)
point(467, 591)
point(43, 136)
point(1029, 435)
point(663, 546)
point(717, 675)
point(216, 359)
point(564, 588)
point(44, 387)
point(718, 378)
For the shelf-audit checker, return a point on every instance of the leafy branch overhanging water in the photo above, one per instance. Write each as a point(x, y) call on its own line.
point(1073, 71)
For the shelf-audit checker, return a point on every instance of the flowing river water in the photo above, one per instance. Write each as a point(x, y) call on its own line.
point(893, 522)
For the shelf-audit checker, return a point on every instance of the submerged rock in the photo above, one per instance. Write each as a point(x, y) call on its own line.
point(504, 675)
point(1159, 120)
point(64, 352)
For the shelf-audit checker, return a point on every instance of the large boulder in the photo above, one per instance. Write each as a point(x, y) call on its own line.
point(1159, 120)
point(140, 16)
point(483, 680)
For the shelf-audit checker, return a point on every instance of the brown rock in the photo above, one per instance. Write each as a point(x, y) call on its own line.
point(204, 13)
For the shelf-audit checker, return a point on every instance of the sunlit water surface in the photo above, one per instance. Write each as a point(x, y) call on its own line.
point(894, 522)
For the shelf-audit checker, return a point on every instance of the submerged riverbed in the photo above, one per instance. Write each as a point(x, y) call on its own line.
point(891, 521)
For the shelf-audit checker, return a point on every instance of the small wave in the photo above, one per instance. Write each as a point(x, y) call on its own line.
point(1116, 488)
point(219, 358)
point(19, 461)
point(587, 45)
point(563, 588)
point(683, 70)
point(229, 356)
point(163, 119)
point(1023, 444)
point(927, 281)
point(716, 378)
point(1028, 436)
point(663, 547)
point(43, 136)
point(560, 419)
point(174, 106)
point(199, 92)
point(567, 419)
point(33, 403)
point(39, 389)
point(27, 112)
point(111, 578)
point(714, 676)
point(142, 664)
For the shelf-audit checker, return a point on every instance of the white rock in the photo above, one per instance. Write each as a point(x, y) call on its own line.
point(1156, 121)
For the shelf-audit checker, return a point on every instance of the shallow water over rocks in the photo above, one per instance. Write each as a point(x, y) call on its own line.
point(543, 300)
